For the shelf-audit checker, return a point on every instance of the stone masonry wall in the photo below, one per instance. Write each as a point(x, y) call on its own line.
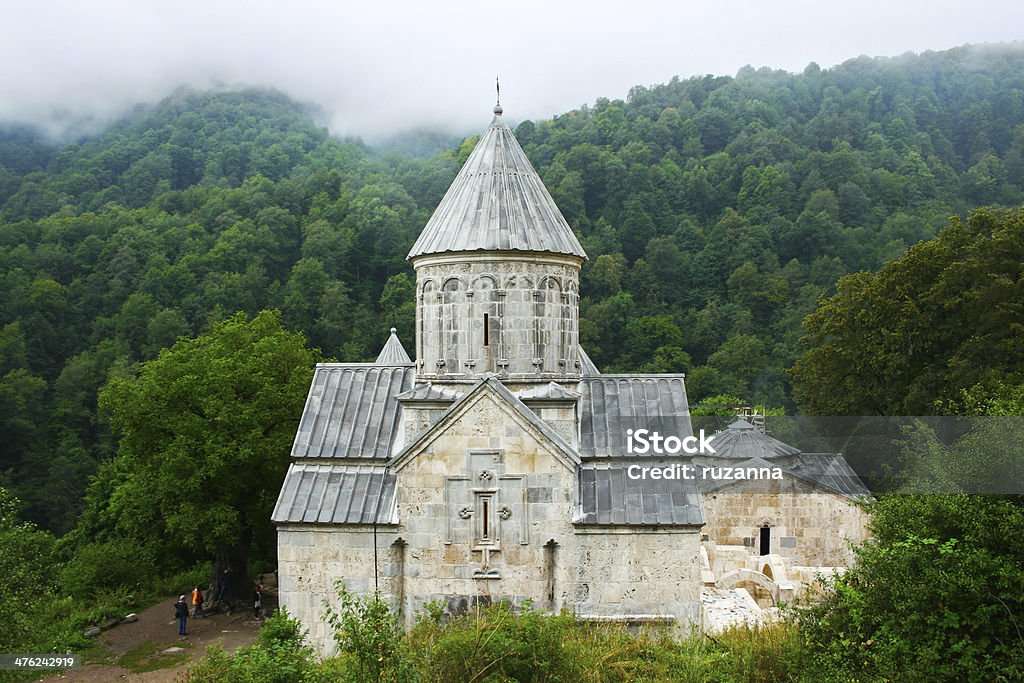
point(809, 527)
point(312, 557)
point(632, 571)
point(532, 313)
point(485, 466)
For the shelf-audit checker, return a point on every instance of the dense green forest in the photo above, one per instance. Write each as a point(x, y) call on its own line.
point(751, 230)
point(716, 211)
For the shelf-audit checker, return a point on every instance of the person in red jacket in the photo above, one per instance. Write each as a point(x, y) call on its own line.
point(197, 603)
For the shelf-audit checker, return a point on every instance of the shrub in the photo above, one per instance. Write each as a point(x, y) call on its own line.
point(370, 638)
point(498, 643)
point(932, 597)
point(98, 567)
point(278, 655)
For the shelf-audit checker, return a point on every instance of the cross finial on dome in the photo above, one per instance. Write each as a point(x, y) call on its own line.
point(497, 87)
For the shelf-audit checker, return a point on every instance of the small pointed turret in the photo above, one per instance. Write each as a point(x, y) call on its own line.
point(393, 352)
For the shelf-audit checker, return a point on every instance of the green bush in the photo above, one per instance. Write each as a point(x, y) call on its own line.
point(278, 655)
point(182, 582)
point(26, 577)
point(933, 596)
point(370, 638)
point(100, 567)
point(500, 644)
point(497, 643)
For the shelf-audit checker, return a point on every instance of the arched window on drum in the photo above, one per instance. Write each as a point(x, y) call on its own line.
point(452, 298)
point(429, 337)
point(486, 326)
point(552, 325)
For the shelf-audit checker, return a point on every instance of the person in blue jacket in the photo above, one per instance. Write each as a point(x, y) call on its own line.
point(181, 613)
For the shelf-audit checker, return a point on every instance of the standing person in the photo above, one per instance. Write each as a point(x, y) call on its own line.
point(222, 593)
point(181, 614)
point(257, 601)
point(197, 603)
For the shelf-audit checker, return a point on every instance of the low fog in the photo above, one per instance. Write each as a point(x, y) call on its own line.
point(384, 67)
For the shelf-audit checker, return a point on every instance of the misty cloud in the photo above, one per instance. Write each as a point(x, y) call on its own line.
point(387, 66)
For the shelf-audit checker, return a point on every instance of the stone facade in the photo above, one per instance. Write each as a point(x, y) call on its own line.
point(492, 467)
point(482, 498)
point(486, 504)
point(640, 575)
point(805, 524)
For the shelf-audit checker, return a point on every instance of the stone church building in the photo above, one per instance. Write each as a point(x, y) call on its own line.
point(495, 465)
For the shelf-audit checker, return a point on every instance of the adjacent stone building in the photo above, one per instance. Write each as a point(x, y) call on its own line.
point(495, 465)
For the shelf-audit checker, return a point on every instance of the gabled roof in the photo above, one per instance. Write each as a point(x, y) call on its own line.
point(742, 441)
point(393, 352)
point(611, 404)
point(497, 202)
point(831, 471)
point(608, 496)
point(351, 411)
point(489, 384)
point(337, 494)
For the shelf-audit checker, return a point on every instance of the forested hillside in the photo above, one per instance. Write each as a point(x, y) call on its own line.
point(715, 210)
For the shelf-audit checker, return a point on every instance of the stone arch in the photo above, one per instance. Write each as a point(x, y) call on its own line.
point(734, 578)
point(452, 298)
point(485, 323)
point(774, 568)
point(429, 321)
point(550, 282)
point(485, 281)
point(453, 284)
point(552, 326)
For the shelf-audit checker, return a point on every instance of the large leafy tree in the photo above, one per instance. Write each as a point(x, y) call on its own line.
point(205, 433)
point(943, 318)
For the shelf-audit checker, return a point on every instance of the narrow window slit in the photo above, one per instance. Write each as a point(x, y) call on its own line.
point(487, 515)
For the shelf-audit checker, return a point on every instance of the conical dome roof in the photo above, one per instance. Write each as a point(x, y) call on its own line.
point(497, 203)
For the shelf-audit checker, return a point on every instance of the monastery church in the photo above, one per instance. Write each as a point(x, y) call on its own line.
point(494, 466)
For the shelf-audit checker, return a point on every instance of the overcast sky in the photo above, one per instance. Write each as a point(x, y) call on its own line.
point(379, 66)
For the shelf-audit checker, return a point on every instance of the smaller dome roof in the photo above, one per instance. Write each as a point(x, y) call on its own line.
point(741, 440)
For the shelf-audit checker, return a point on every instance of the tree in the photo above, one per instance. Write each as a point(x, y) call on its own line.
point(205, 432)
point(26, 565)
point(937, 321)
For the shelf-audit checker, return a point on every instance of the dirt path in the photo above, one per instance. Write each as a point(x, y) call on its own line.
point(157, 630)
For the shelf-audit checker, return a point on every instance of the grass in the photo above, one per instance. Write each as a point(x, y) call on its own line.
point(148, 656)
point(500, 645)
